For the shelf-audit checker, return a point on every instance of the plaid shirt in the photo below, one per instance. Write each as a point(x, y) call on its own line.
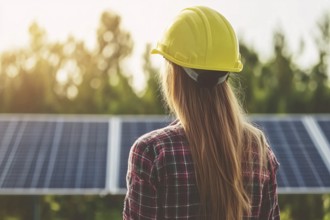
point(161, 180)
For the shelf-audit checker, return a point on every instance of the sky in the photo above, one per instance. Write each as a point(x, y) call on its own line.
point(254, 22)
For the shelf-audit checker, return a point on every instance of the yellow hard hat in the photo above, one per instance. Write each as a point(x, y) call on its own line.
point(201, 38)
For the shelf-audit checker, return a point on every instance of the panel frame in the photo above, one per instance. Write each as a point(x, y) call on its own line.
point(114, 156)
point(319, 139)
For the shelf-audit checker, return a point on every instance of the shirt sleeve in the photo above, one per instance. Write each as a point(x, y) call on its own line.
point(141, 201)
point(270, 208)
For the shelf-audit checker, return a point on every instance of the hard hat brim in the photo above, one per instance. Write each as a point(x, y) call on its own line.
point(193, 66)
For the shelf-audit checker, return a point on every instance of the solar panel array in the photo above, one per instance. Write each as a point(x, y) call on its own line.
point(88, 154)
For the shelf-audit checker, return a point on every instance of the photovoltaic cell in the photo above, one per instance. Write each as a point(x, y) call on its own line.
point(81, 160)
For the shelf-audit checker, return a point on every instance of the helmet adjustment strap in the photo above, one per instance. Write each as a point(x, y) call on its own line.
point(206, 80)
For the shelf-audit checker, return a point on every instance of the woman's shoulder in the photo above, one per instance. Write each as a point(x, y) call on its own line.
point(273, 163)
point(171, 132)
point(160, 139)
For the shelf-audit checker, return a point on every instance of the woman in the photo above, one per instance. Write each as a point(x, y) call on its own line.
point(211, 163)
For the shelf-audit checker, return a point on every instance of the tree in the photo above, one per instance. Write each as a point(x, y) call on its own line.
point(319, 78)
point(248, 87)
point(152, 97)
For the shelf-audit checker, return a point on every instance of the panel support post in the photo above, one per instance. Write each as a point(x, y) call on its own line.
point(36, 207)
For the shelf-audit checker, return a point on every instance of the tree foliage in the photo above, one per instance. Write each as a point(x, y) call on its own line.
point(66, 77)
point(280, 86)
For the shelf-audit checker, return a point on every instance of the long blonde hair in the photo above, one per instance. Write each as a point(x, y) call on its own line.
point(221, 142)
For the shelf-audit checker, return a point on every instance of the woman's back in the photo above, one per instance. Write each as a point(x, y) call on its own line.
point(162, 181)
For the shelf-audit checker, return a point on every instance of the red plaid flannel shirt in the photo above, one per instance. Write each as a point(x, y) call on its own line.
point(161, 180)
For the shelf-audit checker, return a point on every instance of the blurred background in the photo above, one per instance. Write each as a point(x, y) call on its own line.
point(92, 57)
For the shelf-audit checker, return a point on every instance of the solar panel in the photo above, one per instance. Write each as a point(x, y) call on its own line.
point(52, 156)
point(301, 166)
point(302, 169)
